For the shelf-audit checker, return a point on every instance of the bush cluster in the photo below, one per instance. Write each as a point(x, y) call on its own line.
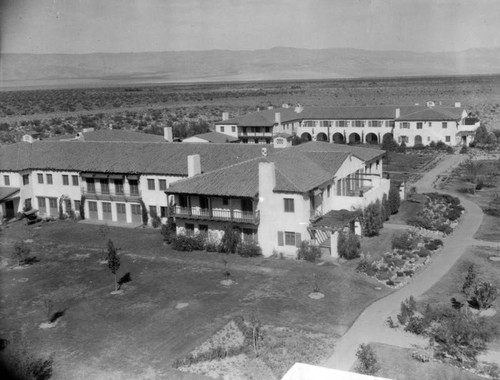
point(433, 244)
point(348, 245)
point(248, 249)
point(188, 243)
point(404, 241)
point(308, 252)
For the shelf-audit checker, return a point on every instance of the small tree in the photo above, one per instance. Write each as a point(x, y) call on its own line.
point(348, 245)
point(367, 361)
point(256, 333)
point(113, 261)
point(385, 209)
point(82, 208)
point(394, 199)
point(470, 281)
point(372, 222)
point(388, 143)
point(230, 240)
point(308, 252)
point(485, 293)
point(61, 213)
point(144, 212)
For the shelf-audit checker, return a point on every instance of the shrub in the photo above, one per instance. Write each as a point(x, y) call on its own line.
point(249, 249)
point(82, 208)
point(188, 243)
point(372, 221)
point(308, 252)
point(348, 245)
point(441, 145)
point(230, 240)
point(453, 213)
point(484, 294)
point(404, 241)
point(422, 221)
point(21, 252)
point(144, 213)
point(385, 209)
point(168, 230)
point(415, 325)
point(394, 199)
point(367, 363)
point(432, 144)
point(401, 148)
point(450, 150)
point(423, 252)
point(464, 150)
point(419, 146)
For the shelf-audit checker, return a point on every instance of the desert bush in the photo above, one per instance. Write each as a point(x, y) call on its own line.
point(348, 245)
point(433, 244)
point(492, 211)
point(21, 252)
point(415, 325)
point(483, 295)
point(367, 362)
point(249, 249)
point(404, 241)
point(308, 252)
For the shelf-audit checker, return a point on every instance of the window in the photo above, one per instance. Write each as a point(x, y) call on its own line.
point(204, 202)
point(74, 179)
point(203, 228)
point(340, 123)
point(189, 229)
point(104, 186)
point(65, 178)
point(222, 129)
point(389, 123)
point(419, 125)
point(268, 129)
point(404, 125)
point(6, 180)
point(152, 210)
point(151, 184)
point(163, 212)
point(233, 129)
point(289, 205)
point(40, 177)
point(448, 139)
point(246, 205)
point(27, 204)
point(445, 124)
point(119, 186)
point(403, 139)
point(120, 208)
point(268, 141)
point(309, 123)
point(106, 207)
point(93, 206)
point(26, 179)
point(289, 238)
point(49, 179)
point(90, 185)
point(136, 209)
point(325, 123)
point(358, 123)
point(41, 202)
point(134, 187)
point(53, 202)
point(183, 200)
point(225, 201)
point(375, 123)
point(162, 184)
point(77, 205)
point(67, 204)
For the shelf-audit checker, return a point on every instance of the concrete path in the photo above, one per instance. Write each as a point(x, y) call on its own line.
point(371, 324)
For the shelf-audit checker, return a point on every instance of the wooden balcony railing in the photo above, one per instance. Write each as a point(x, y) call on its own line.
point(236, 216)
point(112, 195)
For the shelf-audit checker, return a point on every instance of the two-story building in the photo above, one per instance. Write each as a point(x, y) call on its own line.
point(413, 125)
point(276, 199)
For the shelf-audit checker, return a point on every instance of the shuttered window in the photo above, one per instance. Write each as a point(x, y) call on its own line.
point(280, 238)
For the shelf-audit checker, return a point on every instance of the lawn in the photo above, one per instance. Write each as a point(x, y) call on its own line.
point(402, 166)
point(140, 333)
point(397, 363)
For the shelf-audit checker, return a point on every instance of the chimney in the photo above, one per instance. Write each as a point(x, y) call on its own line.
point(194, 165)
point(277, 118)
point(398, 113)
point(267, 179)
point(167, 134)
point(458, 104)
point(225, 116)
point(298, 108)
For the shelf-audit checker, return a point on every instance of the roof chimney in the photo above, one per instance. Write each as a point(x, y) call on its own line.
point(398, 113)
point(277, 118)
point(168, 134)
point(225, 116)
point(458, 104)
point(194, 165)
point(298, 108)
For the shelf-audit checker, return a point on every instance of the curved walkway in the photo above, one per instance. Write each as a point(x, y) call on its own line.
point(370, 325)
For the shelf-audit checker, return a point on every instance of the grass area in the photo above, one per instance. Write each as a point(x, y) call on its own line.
point(451, 284)
point(406, 210)
point(402, 166)
point(457, 181)
point(397, 363)
point(141, 332)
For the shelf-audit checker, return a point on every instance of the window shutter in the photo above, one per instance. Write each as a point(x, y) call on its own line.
point(297, 239)
point(280, 238)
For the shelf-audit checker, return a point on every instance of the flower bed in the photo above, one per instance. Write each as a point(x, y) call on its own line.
point(410, 251)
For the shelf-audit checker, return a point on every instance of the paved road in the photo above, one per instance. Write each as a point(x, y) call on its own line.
point(370, 325)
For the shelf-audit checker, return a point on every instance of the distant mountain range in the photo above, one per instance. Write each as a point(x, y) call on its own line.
point(225, 65)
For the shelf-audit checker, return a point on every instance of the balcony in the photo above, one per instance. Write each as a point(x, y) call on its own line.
point(235, 216)
point(255, 134)
point(112, 195)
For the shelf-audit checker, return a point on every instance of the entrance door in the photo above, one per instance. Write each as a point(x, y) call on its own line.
point(121, 213)
point(136, 213)
point(93, 210)
point(9, 209)
point(106, 211)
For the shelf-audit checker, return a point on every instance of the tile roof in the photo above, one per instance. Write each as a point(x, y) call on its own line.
point(433, 114)
point(298, 169)
point(121, 135)
point(264, 118)
point(365, 154)
point(6, 192)
point(337, 218)
point(215, 137)
point(122, 157)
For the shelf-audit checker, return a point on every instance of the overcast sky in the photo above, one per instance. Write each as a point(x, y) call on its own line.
point(83, 26)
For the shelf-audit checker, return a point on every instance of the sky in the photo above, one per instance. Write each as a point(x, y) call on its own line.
point(88, 26)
